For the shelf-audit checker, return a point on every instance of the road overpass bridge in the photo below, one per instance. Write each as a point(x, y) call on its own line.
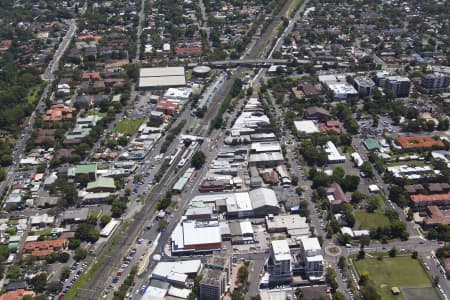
point(265, 63)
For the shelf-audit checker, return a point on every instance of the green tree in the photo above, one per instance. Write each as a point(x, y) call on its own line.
point(372, 204)
point(366, 167)
point(13, 273)
point(74, 244)
point(393, 252)
point(330, 276)
point(243, 275)
point(87, 232)
point(415, 254)
point(39, 282)
point(105, 219)
point(65, 273)
point(357, 197)
point(370, 293)
point(350, 183)
point(198, 159)
point(63, 257)
point(80, 254)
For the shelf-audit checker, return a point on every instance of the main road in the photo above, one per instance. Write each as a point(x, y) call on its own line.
point(128, 238)
point(49, 76)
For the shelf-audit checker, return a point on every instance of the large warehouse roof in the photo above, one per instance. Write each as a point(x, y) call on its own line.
point(263, 197)
point(242, 201)
point(161, 77)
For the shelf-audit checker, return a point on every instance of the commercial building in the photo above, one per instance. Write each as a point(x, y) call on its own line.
point(311, 258)
point(435, 81)
point(293, 225)
point(329, 126)
point(88, 169)
point(364, 85)
point(306, 127)
point(156, 118)
point(263, 147)
point(192, 236)
point(279, 264)
point(305, 89)
point(215, 278)
point(269, 159)
point(252, 120)
point(150, 78)
point(241, 232)
point(336, 196)
point(177, 273)
point(371, 144)
point(168, 107)
point(213, 285)
point(102, 184)
point(334, 156)
point(398, 85)
point(339, 86)
point(179, 94)
point(255, 203)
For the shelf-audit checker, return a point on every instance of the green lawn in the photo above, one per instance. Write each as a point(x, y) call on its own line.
point(96, 113)
point(128, 126)
point(35, 92)
point(45, 231)
point(402, 272)
point(371, 220)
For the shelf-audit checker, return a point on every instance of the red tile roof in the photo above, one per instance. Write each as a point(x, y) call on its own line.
point(44, 248)
point(91, 75)
point(416, 142)
point(336, 190)
point(89, 37)
point(16, 295)
point(430, 198)
point(59, 112)
point(167, 107)
point(189, 51)
point(330, 126)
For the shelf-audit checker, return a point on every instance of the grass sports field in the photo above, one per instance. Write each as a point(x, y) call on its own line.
point(401, 272)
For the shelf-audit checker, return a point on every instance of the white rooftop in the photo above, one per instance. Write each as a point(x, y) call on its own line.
point(246, 227)
point(160, 72)
point(192, 233)
point(281, 250)
point(314, 258)
point(240, 202)
point(159, 77)
point(333, 152)
point(306, 126)
point(163, 269)
point(273, 146)
point(311, 244)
